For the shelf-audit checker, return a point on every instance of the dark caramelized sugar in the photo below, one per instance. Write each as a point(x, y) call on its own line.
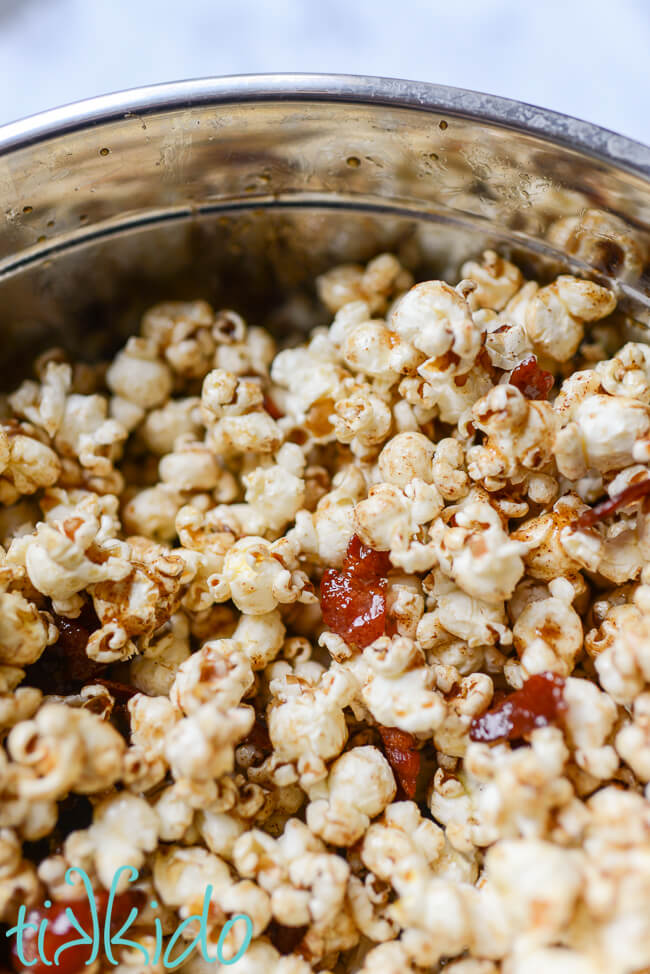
point(539, 702)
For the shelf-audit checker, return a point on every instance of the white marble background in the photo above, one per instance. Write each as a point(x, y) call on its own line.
point(589, 58)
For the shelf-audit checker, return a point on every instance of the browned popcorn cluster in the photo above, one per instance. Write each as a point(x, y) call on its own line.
point(356, 633)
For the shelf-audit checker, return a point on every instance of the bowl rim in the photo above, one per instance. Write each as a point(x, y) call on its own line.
point(551, 126)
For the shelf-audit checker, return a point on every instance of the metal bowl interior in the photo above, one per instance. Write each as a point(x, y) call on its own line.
point(241, 190)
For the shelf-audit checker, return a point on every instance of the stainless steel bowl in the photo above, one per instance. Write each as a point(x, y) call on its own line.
point(241, 189)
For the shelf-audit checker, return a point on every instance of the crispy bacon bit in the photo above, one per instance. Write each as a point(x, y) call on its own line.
point(403, 757)
point(353, 600)
point(532, 382)
point(64, 667)
point(634, 492)
point(272, 408)
point(539, 702)
point(60, 931)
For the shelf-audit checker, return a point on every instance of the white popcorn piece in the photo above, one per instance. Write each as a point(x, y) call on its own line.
point(496, 280)
point(605, 433)
point(256, 579)
point(359, 786)
point(306, 720)
point(548, 634)
point(633, 739)
point(554, 315)
point(66, 749)
point(476, 552)
point(124, 829)
point(437, 320)
point(139, 376)
point(24, 631)
point(26, 464)
point(389, 519)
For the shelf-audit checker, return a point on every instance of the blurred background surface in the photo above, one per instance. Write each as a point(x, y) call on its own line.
point(584, 57)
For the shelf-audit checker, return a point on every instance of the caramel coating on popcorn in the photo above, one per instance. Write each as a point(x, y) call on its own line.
point(166, 520)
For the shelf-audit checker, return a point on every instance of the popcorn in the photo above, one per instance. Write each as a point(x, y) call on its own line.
point(476, 552)
point(19, 883)
point(194, 492)
point(396, 686)
point(382, 277)
point(201, 746)
point(306, 720)
point(232, 412)
point(554, 316)
point(275, 493)
point(67, 750)
point(361, 419)
point(123, 831)
point(173, 420)
point(437, 320)
point(405, 458)
point(548, 633)
point(192, 466)
point(306, 884)
point(600, 240)
point(627, 373)
point(256, 576)
point(26, 464)
point(359, 786)
point(633, 739)
point(24, 631)
point(134, 606)
point(154, 671)
point(138, 375)
point(325, 534)
point(520, 437)
point(605, 433)
point(389, 519)
point(62, 559)
point(496, 280)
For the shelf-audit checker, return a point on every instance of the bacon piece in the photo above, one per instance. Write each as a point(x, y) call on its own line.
point(600, 511)
point(532, 382)
point(60, 931)
point(403, 757)
point(539, 702)
point(364, 561)
point(353, 600)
